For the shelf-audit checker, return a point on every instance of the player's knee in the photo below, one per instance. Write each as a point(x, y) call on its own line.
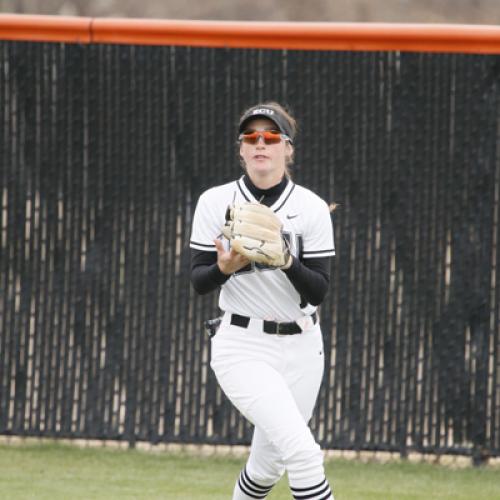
point(254, 485)
point(265, 472)
point(305, 462)
point(310, 455)
point(297, 445)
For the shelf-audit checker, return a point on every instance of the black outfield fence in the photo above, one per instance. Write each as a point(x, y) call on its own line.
point(104, 152)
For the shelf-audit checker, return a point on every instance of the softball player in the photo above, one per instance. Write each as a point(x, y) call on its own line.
point(267, 353)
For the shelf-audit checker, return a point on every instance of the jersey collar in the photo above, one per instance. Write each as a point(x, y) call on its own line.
point(286, 187)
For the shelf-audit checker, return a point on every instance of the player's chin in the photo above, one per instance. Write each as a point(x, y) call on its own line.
point(261, 164)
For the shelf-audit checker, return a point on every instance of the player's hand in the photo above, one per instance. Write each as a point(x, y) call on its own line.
point(229, 261)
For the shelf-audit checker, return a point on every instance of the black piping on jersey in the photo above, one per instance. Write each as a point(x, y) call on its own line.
point(318, 251)
point(272, 193)
point(202, 244)
point(269, 196)
point(242, 192)
point(286, 199)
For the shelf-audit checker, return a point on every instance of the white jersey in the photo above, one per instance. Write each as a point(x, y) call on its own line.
point(259, 291)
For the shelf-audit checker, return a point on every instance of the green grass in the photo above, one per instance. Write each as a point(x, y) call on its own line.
point(55, 471)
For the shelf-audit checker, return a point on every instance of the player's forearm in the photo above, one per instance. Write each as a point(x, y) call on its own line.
point(205, 273)
point(205, 279)
point(310, 280)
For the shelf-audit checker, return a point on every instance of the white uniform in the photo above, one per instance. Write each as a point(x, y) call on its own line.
point(272, 379)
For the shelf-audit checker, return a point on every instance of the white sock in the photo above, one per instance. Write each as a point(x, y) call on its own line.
point(320, 491)
point(247, 489)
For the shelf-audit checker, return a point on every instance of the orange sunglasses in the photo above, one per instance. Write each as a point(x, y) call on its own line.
point(269, 136)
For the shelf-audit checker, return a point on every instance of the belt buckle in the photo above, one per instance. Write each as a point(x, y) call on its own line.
point(278, 330)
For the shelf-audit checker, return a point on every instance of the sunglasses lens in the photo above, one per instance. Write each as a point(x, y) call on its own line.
point(269, 136)
point(272, 137)
point(250, 137)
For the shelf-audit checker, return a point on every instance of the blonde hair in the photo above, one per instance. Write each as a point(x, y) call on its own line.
point(293, 124)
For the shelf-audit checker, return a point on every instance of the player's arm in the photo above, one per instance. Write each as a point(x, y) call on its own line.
point(310, 278)
point(310, 274)
point(205, 273)
point(207, 270)
point(210, 270)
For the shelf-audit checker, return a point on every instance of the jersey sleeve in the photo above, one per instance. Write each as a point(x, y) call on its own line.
point(318, 238)
point(207, 224)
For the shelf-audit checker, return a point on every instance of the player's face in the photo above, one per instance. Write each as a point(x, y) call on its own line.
point(264, 157)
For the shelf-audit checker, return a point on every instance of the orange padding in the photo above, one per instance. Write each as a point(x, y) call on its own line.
point(270, 35)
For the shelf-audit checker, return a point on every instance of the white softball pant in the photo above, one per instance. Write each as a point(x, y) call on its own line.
point(274, 381)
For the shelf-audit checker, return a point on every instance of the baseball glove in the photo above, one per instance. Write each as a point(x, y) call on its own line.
point(255, 231)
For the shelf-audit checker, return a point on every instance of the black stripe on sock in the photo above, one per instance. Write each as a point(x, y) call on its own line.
point(252, 495)
point(309, 488)
point(253, 484)
point(327, 496)
point(326, 488)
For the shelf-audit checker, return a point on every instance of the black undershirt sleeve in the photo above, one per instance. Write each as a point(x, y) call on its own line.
point(309, 277)
point(205, 273)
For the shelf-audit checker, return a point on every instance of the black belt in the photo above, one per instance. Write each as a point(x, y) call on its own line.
point(271, 327)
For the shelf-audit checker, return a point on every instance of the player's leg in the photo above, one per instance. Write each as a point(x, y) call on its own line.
point(264, 466)
point(303, 376)
point(262, 471)
point(261, 394)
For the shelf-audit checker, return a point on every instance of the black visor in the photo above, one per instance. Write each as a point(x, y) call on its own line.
point(280, 120)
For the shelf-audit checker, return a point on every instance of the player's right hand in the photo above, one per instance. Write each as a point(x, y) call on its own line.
point(229, 261)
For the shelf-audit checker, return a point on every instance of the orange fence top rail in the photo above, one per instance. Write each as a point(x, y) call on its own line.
point(264, 35)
